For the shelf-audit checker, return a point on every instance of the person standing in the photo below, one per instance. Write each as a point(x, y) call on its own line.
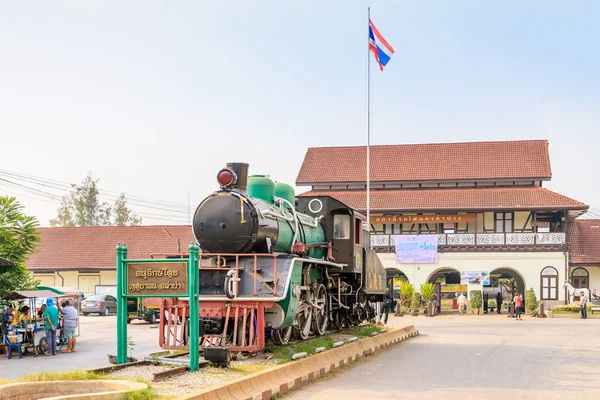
point(51, 319)
point(583, 300)
point(71, 320)
point(462, 304)
point(518, 301)
point(498, 303)
point(7, 321)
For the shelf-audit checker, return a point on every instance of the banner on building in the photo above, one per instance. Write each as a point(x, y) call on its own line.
point(474, 278)
point(416, 249)
point(423, 219)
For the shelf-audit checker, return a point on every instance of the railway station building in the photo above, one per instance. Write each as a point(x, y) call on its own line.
point(584, 253)
point(481, 205)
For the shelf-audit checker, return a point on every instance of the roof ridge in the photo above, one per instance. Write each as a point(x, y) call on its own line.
point(433, 143)
point(113, 226)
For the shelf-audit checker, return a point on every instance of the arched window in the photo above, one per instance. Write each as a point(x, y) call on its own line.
point(580, 278)
point(549, 284)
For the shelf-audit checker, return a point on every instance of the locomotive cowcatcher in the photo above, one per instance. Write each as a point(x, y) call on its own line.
point(273, 265)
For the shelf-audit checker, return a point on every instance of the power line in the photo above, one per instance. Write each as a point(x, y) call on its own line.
point(138, 201)
point(49, 197)
point(60, 185)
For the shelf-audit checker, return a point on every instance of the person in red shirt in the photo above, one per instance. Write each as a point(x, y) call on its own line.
point(518, 304)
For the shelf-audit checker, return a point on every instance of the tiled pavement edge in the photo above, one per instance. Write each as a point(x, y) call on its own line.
point(282, 378)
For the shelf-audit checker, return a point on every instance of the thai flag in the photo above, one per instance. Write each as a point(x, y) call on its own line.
point(377, 44)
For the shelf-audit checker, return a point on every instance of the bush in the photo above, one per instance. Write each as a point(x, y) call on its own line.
point(475, 298)
point(415, 302)
point(427, 290)
point(531, 302)
point(568, 309)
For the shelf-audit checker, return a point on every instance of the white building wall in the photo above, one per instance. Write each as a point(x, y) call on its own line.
point(528, 264)
point(594, 276)
point(83, 281)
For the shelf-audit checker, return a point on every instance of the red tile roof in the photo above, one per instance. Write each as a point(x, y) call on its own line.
point(468, 199)
point(584, 241)
point(428, 162)
point(94, 247)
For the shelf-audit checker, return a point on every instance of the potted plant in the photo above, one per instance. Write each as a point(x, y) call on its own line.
point(415, 304)
point(406, 293)
point(427, 290)
point(475, 300)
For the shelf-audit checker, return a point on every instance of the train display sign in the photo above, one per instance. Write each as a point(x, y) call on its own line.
point(158, 278)
point(164, 279)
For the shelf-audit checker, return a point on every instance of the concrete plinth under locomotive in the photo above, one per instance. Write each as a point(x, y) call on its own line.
point(272, 270)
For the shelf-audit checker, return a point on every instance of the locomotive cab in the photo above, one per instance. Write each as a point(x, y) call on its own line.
point(343, 225)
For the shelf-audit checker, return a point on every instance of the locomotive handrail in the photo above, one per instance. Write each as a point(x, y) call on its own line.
point(236, 267)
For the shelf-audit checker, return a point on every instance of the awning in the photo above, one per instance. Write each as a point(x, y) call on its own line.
point(30, 294)
point(67, 291)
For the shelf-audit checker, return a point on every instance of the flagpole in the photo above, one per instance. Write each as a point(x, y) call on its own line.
point(369, 123)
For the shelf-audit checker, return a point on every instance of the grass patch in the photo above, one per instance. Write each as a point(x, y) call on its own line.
point(284, 353)
point(247, 369)
point(146, 394)
point(365, 331)
point(73, 375)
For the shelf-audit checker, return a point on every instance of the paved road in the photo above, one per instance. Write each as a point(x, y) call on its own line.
point(98, 338)
point(476, 357)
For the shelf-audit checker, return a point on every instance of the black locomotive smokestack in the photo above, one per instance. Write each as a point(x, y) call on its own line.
point(241, 171)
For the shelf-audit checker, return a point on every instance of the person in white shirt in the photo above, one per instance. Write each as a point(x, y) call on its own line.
point(71, 318)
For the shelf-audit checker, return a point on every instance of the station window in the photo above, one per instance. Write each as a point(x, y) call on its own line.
point(504, 222)
point(580, 278)
point(449, 228)
point(341, 227)
point(549, 284)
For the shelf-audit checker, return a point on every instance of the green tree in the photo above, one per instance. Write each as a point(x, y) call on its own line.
point(531, 302)
point(83, 207)
point(18, 239)
point(123, 215)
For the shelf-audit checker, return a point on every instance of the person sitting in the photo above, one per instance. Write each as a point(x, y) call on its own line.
point(24, 317)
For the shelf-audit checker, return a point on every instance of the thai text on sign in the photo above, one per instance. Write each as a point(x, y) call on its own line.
point(157, 279)
point(423, 219)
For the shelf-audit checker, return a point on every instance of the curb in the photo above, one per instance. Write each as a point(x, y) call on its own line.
point(282, 378)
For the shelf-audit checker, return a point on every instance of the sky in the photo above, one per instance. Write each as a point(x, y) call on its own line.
point(154, 97)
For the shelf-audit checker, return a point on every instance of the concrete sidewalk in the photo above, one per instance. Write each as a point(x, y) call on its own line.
point(476, 357)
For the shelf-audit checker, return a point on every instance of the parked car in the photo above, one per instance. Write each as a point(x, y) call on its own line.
point(102, 304)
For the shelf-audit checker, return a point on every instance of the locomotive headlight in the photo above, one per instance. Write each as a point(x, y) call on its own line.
point(226, 178)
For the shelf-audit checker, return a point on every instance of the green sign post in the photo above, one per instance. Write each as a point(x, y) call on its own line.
point(172, 277)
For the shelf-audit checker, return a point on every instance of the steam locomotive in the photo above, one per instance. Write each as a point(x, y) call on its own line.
point(273, 264)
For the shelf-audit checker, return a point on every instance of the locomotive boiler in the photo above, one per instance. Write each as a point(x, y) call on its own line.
point(276, 265)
